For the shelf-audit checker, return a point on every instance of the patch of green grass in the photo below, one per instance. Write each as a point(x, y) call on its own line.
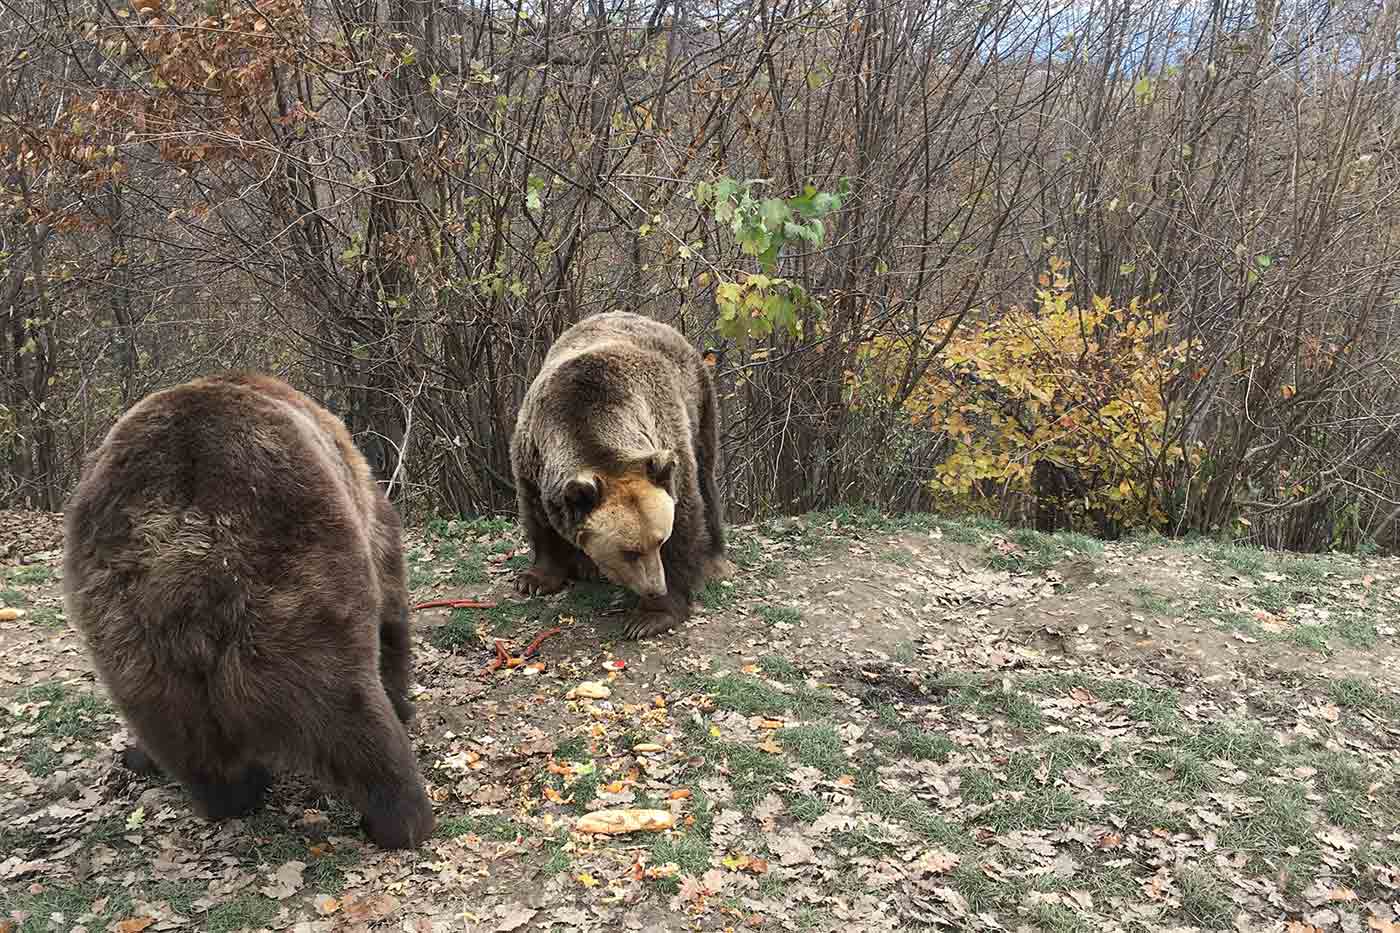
point(1243, 743)
point(420, 572)
point(1353, 693)
point(1032, 552)
point(107, 831)
point(1344, 783)
point(982, 891)
point(1024, 802)
point(744, 549)
point(780, 669)
point(914, 814)
point(779, 615)
point(39, 759)
point(573, 749)
point(325, 873)
point(1355, 630)
point(1246, 561)
point(1145, 802)
point(1190, 773)
point(559, 859)
point(1310, 636)
point(587, 598)
point(906, 652)
point(968, 531)
point(69, 901)
point(1057, 918)
point(1205, 899)
point(1275, 597)
point(13, 598)
point(20, 839)
point(752, 773)
point(1305, 570)
point(689, 851)
point(244, 911)
point(817, 746)
point(1152, 601)
point(805, 807)
point(1155, 705)
point(1276, 832)
point(180, 895)
point(30, 574)
point(459, 631)
point(469, 569)
point(461, 628)
point(916, 743)
point(715, 595)
point(495, 826)
point(898, 556)
point(48, 617)
point(751, 696)
point(992, 700)
point(64, 712)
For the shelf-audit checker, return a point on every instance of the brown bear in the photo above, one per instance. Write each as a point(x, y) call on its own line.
point(614, 457)
point(238, 578)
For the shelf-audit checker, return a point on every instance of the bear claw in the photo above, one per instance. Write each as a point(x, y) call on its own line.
point(647, 624)
point(538, 582)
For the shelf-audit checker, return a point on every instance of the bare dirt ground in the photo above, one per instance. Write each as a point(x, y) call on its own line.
point(880, 725)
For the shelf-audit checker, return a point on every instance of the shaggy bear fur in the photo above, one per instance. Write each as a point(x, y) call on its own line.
point(614, 456)
point(239, 581)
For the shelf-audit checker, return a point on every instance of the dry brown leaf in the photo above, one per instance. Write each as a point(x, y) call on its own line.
point(286, 881)
point(645, 748)
point(516, 916)
point(630, 820)
point(370, 907)
point(325, 904)
point(11, 614)
point(134, 924)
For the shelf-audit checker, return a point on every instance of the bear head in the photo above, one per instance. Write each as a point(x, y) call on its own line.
point(624, 517)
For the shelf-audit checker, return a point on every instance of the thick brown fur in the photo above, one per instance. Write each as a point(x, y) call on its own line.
point(623, 407)
point(239, 580)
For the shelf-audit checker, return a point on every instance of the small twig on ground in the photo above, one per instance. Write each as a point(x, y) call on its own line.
point(457, 604)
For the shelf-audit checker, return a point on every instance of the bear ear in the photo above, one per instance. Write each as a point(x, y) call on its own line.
point(661, 468)
point(582, 494)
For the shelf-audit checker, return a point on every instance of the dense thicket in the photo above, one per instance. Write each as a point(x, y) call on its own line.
point(398, 204)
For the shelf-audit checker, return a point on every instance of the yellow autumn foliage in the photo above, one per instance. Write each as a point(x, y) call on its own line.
point(1083, 388)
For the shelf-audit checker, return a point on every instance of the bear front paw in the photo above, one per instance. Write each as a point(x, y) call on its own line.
point(647, 624)
point(398, 822)
point(538, 581)
point(719, 568)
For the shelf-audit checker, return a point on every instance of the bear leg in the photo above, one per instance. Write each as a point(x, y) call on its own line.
point(395, 658)
point(176, 739)
point(554, 557)
point(136, 759)
point(371, 758)
point(220, 798)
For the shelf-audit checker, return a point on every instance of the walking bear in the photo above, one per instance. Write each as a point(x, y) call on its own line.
point(239, 581)
point(614, 457)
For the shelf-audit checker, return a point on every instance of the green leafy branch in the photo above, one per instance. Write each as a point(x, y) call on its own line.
point(760, 303)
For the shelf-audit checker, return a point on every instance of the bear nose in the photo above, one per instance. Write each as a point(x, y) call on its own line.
point(655, 592)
